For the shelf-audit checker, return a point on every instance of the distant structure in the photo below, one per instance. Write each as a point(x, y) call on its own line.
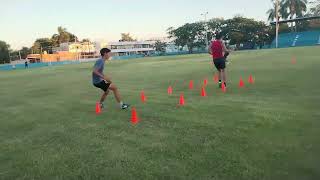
point(69, 52)
point(126, 48)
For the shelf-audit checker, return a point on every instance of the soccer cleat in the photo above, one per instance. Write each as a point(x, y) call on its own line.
point(125, 106)
point(220, 85)
point(101, 105)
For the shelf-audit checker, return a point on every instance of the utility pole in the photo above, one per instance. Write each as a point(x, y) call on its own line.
point(9, 56)
point(206, 29)
point(277, 23)
point(40, 53)
point(20, 55)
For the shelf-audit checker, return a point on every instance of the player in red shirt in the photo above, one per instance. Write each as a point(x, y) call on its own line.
point(219, 53)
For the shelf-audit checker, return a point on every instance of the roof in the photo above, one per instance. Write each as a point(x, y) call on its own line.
point(130, 43)
point(296, 19)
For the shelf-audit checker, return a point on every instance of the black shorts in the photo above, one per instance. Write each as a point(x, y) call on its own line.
point(220, 63)
point(103, 85)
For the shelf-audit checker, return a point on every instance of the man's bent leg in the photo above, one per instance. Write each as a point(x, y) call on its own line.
point(116, 92)
point(223, 72)
point(104, 95)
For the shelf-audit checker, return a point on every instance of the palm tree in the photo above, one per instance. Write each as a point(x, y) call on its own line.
point(55, 40)
point(272, 12)
point(315, 10)
point(294, 8)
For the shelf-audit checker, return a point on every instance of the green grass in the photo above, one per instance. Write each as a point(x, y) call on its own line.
point(270, 130)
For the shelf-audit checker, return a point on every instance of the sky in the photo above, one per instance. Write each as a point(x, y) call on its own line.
point(23, 21)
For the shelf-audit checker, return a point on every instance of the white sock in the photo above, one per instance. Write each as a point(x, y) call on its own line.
point(121, 103)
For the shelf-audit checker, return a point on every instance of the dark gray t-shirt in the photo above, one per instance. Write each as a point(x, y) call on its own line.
point(99, 65)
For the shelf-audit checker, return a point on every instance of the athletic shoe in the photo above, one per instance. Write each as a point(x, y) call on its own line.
point(220, 85)
point(101, 105)
point(125, 106)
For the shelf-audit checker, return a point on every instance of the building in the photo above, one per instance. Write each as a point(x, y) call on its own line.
point(132, 48)
point(55, 57)
point(171, 47)
point(84, 49)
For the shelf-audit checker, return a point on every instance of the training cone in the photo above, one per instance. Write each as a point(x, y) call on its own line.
point(241, 83)
point(191, 85)
point(216, 78)
point(205, 82)
point(143, 97)
point(181, 101)
point(169, 90)
point(250, 80)
point(98, 108)
point(134, 116)
point(203, 92)
point(223, 87)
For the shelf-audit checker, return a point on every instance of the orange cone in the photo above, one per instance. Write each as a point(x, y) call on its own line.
point(181, 101)
point(223, 87)
point(216, 78)
point(98, 108)
point(205, 82)
point(169, 90)
point(134, 116)
point(250, 80)
point(203, 92)
point(143, 97)
point(241, 83)
point(191, 85)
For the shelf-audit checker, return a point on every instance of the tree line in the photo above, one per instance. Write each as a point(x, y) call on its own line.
point(250, 32)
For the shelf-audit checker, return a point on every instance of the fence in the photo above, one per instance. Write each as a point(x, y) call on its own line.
point(46, 64)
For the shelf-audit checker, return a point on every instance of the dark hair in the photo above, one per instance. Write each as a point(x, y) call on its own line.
point(104, 51)
point(218, 36)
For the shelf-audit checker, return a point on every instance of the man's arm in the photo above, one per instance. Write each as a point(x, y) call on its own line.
point(225, 49)
point(210, 49)
point(95, 71)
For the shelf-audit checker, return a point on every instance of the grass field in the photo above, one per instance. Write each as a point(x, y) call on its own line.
point(270, 130)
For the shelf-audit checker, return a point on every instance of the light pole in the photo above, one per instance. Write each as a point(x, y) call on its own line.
point(205, 26)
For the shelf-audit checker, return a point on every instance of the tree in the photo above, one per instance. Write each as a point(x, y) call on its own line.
point(272, 12)
point(55, 40)
point(215, 25)
point(85, 40)
point(160, 46)
point(41, 45)
point(63, 36)
point(4, 52)
point(190, 35)
point(315, 10)
point(126, 37)
point(294, 7)
point(240, 30)
point(24, 52)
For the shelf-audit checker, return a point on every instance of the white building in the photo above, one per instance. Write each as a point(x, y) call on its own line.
point(85, 47)
point(132, 48)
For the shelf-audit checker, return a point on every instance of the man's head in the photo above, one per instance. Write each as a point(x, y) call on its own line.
point(219, 36)
point(105, 53)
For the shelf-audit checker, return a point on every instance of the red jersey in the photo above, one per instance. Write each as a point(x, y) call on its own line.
point(217, 49)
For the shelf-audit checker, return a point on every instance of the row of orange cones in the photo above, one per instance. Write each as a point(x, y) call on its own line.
point(134, 115)
point(205, 83)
